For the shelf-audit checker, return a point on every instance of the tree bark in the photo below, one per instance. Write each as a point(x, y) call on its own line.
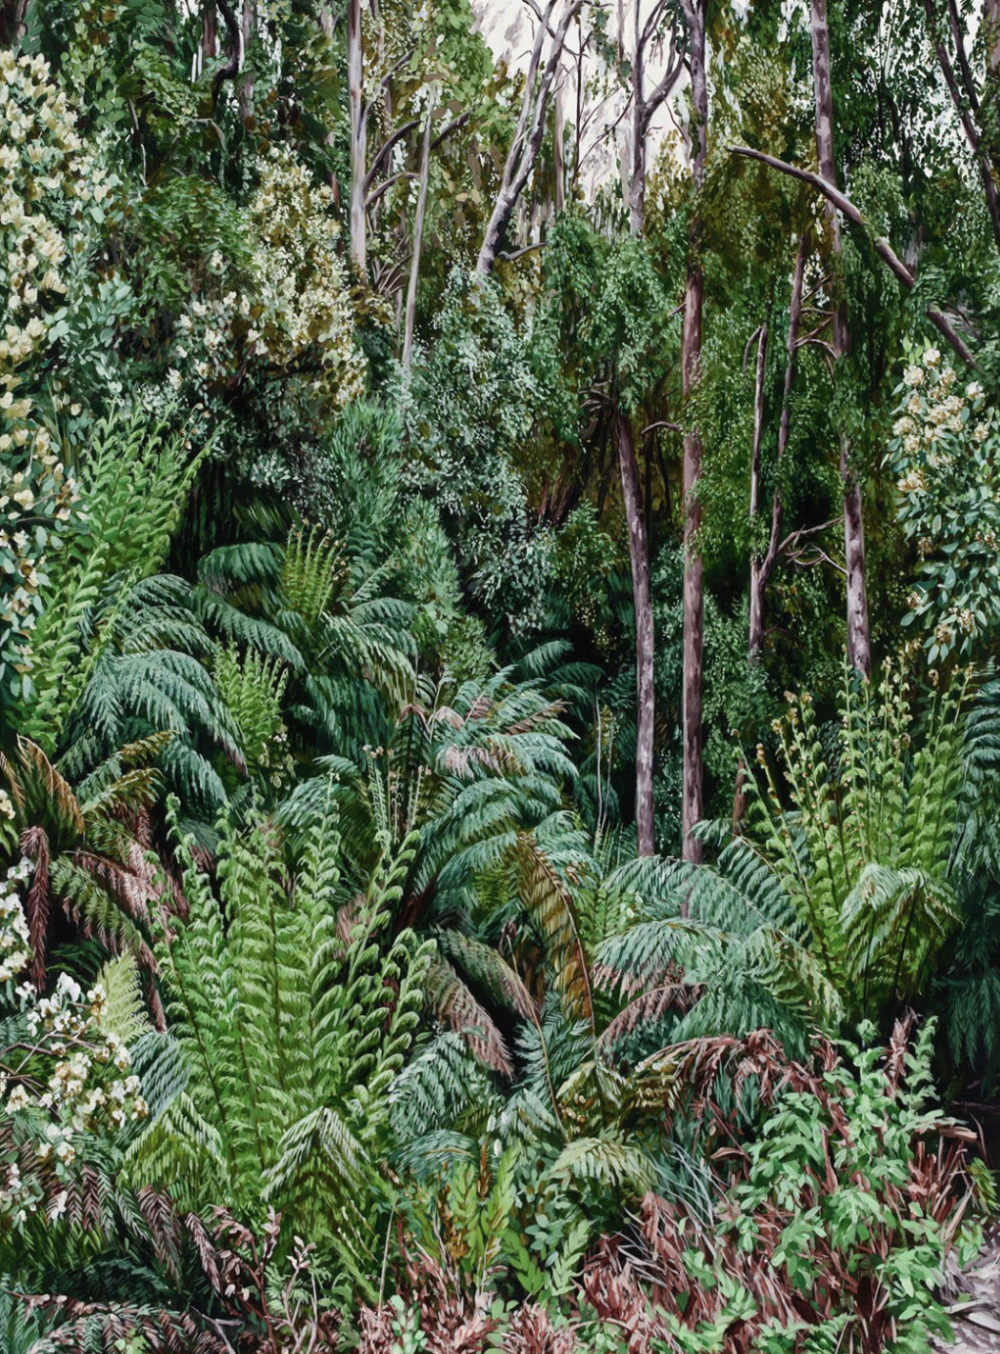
point(12, 25)
point(859, 644)
point(692, 804)
point(559, 155)
point(359, 137)
point(209, 32)
point(761, 569)
point(644, 650)
point(637, 185)
point(418, 233)
point(246, 86)
point(756, 640)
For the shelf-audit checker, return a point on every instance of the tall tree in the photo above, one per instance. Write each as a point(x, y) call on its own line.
point(692, 790)
point(359, 137)
point(762, 566)
point(859, 643)
point(647, 32)
point(644, 105)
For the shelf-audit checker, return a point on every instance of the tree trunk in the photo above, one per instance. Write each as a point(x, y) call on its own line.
point(637, 186)
point(418, 233)
point(559, 154)
point(209, 32)
point(359, 137)
point(642, 601)
point(858, 630)
point(692, 804)
point(12, 25)
point(245, 94)
point(756, 639)
point(538, 86)
point(760, 571)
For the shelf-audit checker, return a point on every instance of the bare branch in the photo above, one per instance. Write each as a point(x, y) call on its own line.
point(387, 184)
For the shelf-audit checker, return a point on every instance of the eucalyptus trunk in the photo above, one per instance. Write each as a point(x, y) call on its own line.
point(859, 645)
point(418, 233)
point(359, 137)
point(644, 650)
point(692, 790)
point(756, 638)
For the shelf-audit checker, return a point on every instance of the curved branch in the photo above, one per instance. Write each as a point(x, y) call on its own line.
point(386, 148)
point(881, 246)
point(387, 184)
point(234, 64)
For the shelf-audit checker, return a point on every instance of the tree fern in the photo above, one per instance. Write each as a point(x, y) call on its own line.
point(833, 906)
point(134, 485)
point(294, 1017)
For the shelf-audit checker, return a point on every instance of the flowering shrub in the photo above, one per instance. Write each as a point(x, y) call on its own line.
point(297, 303)
point(944, 455)
point(63, 1073)
point(51, 202)
point(15, 943)
point(36, 505)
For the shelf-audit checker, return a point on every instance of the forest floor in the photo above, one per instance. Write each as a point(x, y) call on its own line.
point(973, 1299)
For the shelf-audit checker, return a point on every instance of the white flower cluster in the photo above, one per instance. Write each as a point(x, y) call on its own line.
point(74, 1078)
point(37, 504)
point(67, 1026)
point(18, 1196)
point(50, 189)
point(943, 454)
point(297, 304)
point(15, 943)
point(49, 183)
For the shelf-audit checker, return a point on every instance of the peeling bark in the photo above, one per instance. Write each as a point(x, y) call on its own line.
point(359, 138)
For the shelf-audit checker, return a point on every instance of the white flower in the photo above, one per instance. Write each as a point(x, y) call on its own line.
point(18, 1100)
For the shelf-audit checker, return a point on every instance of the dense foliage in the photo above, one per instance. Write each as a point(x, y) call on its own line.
point(499, 828)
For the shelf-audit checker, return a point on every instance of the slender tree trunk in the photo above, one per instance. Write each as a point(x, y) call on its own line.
point(859, 648)
point(637, 186)
point(209, 32)
point(503, 210)
point(642, 601)
point(245, 93)
point(761, 569)
point(538, 86)
point(756, 639)
point(559, 154)
point(418, 233)
point(692, 804)
point(359, 137)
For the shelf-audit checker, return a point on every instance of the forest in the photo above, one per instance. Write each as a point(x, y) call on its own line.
point(499, 675)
